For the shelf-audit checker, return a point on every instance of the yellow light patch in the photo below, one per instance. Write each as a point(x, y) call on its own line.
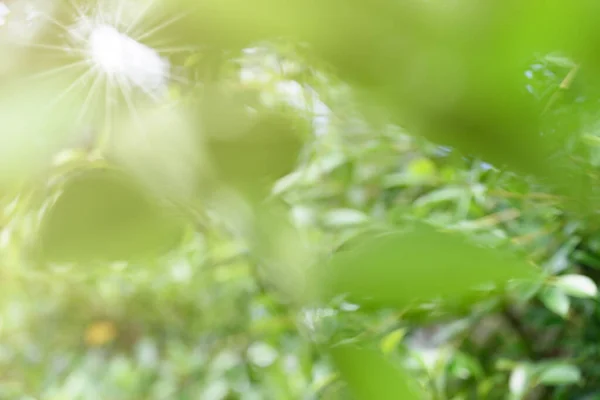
point(100, 333)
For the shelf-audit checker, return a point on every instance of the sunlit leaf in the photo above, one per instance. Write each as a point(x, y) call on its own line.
point(252, 159)
point(556, 300)
point(391, 341)
point(577, 285)
point(422, 168)
point(344, 217)
point(560, 374)
point(519, 381)
point(464, 366)
point(420, 264)
point(103, 215)
point(370, 376)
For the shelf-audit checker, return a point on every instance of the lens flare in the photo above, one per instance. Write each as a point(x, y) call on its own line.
point(121, 58)
point(106, 48)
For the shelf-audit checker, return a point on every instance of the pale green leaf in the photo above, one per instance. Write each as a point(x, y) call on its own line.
point(391, 340)
point(344, 217)
point(560, 374)
point(519, 381)
point(556, 300)
point(577, 285)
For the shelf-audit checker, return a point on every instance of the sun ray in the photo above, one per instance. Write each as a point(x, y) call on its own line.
point(161, 26)
point(57, 70)
point(78, 11)
point(141, 15)
point(90, 95)
point(179, 79)
point(50, 19)
point(101, 14)
point(131, 107)
point(126, 91)
point(119, 13)
point(72, 86)
point(150, 94)
point(145, 90)
point(68, 50)
point(105, 137)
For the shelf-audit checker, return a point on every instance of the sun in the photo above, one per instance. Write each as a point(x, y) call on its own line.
point(109, 52)
point(108, 43)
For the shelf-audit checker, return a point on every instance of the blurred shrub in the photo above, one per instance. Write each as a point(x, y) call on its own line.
point(315, 199)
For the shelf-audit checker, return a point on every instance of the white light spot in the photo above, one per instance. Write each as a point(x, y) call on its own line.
point(123, 59)
point(349, 307)
point(5, 236)
point(216, 390)
point(181, 271)
point(107, 49)
point(518, 380)
point(147, 353)
point(261, 354)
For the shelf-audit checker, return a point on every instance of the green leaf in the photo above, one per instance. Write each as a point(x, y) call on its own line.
point(560, 260)
point(577, 285)
point(391, 341)
point(370, 376)
point(254, 158)
point(405, 179)
point(103, 215)
point(556, 300)
point(519, 381)
point(344, 217)
point(397, 269)
point(559, 60)
point(586, 258)
point(560, 374)
point(422, 168)
point(441, 195)
point(464, 366)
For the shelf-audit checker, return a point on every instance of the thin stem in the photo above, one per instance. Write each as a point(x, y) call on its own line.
point(564, 86)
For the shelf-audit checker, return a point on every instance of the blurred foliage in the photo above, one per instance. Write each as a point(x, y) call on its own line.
point(299, 200)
